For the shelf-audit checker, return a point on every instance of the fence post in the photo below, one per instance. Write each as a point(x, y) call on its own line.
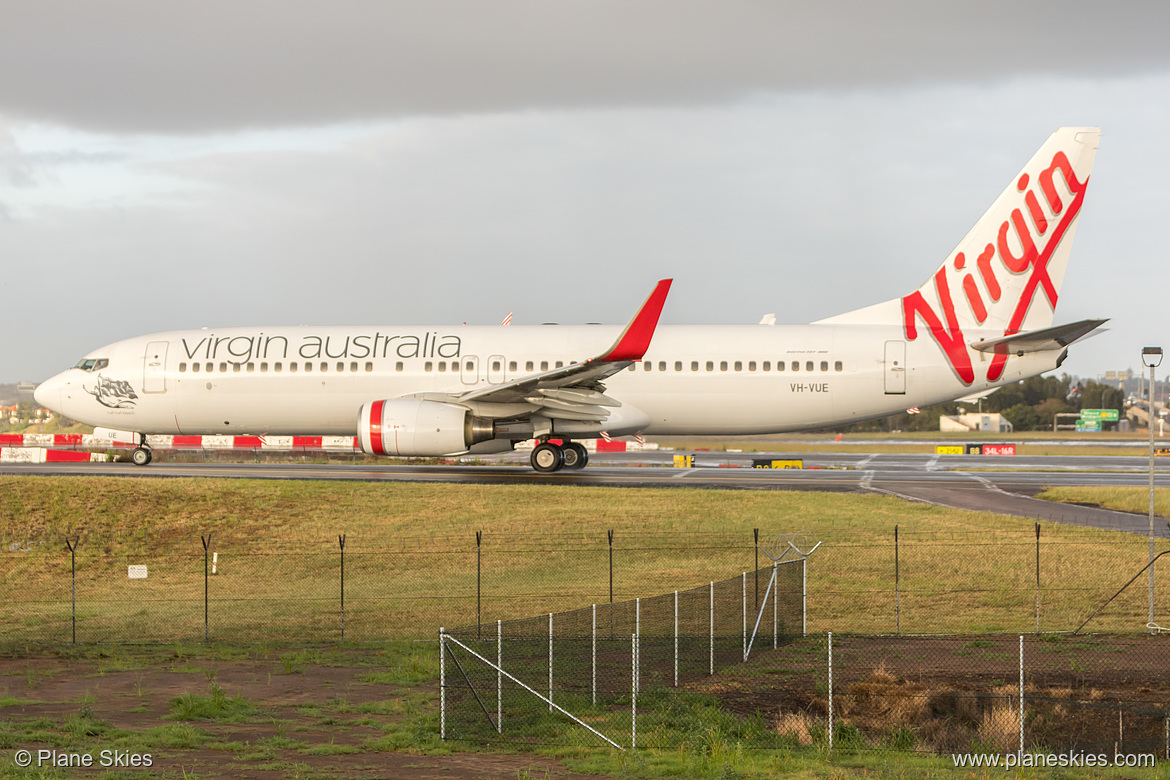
point(442, 684)
point(609, 533)
point(712, 669)
point(1037, 578)
point(676, 639)
point(1021, 697)
point(206, 546)
point(775, 602)
point(830, 692)
point(633, 691)
point(745, 616)
point(897, 585)
point(804, 596)
point(550, 662)
point(593, 656)
point(638, 619)
point(756, 546)
point(341, 543)
point(499, 677)
point(478, 603)
point(73, 579)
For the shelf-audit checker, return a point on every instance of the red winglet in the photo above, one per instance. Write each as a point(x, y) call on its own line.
point(635, 339)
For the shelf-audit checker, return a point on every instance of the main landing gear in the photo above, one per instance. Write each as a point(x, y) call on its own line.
point(141, 456)
point(548, 457)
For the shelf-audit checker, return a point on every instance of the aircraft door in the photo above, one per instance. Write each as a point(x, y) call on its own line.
point(154, 364)
point(469, 369)
point(895, 368)
point(495, 369)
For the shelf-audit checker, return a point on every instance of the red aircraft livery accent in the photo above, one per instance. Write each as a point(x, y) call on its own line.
point(635, 340)
point(949, 337)
point(376, 428)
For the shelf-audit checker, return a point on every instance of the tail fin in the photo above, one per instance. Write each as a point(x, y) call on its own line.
point(1005, 275)
point(1019, 247)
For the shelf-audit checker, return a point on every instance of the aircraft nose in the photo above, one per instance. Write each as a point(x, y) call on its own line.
point(48, 393)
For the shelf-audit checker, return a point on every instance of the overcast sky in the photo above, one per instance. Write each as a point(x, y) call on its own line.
point(167, 166)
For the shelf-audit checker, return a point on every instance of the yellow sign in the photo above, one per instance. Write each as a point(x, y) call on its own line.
point(777, 464)
point(684, 461)
point(949, 449)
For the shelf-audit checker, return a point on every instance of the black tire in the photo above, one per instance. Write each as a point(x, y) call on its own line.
point(141, 456)
point(547, 458)
point(576, 456)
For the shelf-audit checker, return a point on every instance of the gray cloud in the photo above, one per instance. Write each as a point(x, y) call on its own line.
point(194, 67)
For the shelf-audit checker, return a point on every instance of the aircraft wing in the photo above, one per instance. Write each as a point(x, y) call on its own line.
point(575, 391)
point(1057, 337)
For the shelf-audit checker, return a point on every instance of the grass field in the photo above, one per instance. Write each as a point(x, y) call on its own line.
point(410, 565)
point(411, 557)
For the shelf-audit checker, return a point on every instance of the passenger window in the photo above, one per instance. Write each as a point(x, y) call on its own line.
point(647, 366)
point(678, 365)
point(694, 365)
point(324, 366)
point(722, 365)
point(223, 368)
point(469, 367)
point(795, 365)
point(263, 368)
point(353, 366)
point(276, 367)
point(767, 365)
point(182, 368)
point(661, 365)
point(633, 366)
point(838, 367)
point(369, 367)
point(710, 365)
point(235, 368)
point(511, 365)
point(428, 366)
point(341, 366)
point(442, 366)
point(544, 365)
point(251, 367)
point(808, 366)
point(292, 367)
point(195, 367)
point(495, 365)
point(824, 365)
point(560, 364)
point(398, 366)
point(739, 365)
point(529, 366)
point(308, 366)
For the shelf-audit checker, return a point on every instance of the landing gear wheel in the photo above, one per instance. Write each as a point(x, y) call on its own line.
point(576, 456)
point(547, 458)
point(141, 456)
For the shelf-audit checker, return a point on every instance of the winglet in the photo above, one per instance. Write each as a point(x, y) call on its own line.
point(635, 339)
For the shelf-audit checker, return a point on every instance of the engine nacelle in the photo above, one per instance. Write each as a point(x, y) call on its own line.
point(424, 428)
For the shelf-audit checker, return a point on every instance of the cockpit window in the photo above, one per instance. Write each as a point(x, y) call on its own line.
point(92, 364)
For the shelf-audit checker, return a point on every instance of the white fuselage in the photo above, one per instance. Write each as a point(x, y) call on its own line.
point(695, 379)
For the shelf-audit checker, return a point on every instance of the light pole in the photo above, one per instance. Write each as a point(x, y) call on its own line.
point(1151, 358)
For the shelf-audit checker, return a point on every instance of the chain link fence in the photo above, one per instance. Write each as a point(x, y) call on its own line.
point(591, 666)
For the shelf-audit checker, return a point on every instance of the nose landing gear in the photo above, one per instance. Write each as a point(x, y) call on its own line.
point(141, 456)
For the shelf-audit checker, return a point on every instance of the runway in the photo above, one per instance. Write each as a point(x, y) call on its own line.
point(1003, 485)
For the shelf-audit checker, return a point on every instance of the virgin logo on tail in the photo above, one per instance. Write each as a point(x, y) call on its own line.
point(1020, 251)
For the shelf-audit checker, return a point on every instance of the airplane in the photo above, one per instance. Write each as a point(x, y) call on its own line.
point(983, 319)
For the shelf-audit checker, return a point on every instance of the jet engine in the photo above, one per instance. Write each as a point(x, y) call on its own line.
point(423, 428)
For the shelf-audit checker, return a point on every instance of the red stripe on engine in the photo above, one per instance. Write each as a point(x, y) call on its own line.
point(376, 428)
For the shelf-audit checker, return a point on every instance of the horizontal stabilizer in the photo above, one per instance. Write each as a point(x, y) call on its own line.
point(1042, 340)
